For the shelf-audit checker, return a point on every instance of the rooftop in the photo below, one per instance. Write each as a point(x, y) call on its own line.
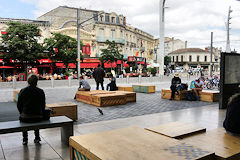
point(186, 50)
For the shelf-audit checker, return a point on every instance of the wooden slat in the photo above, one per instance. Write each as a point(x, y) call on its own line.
point(209, 96)
point(176, 129)
point(135, 144)
point(125, 88)
point(224, 145)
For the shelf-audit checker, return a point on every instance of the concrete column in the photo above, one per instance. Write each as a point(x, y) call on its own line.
point(52, 82)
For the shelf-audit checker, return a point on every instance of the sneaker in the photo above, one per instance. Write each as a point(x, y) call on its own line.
point(37, 140)
point(25, 142)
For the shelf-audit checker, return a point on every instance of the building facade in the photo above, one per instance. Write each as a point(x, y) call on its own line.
point(191, 58)
point(99, 26)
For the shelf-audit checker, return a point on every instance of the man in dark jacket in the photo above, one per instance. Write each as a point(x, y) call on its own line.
point(232, 120)
point(99, 75)
point(31, 105)
point(175, 82)
point(112, 84)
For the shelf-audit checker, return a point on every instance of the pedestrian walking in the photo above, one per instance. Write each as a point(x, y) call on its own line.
point(99, 75)
point(31, 106)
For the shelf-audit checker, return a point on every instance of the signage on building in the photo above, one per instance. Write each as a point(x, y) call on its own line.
point(131, 58)
point(140, 59)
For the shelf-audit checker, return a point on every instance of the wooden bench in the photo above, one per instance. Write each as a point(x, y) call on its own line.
point(131, 96)
point(125, 88)
point(209, 96)
point(166, 94)
point(176, 129)
point(65, 123)
point(223, 144)
point(144, 88)
point(133, 144)
point(68, 109)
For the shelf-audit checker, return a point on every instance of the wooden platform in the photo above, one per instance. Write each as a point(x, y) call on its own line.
point(133, 144)
point(209, 96)
point(110, 99)
point(177, 129)
point(125, 88)
point(131, 96)
point(105, 98)
point(224, 145)
point(144, 88)
point(64, 109)
point(166, 94)
point(15, 95)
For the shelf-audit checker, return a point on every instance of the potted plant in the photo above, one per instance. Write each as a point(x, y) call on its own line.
point(66, 74)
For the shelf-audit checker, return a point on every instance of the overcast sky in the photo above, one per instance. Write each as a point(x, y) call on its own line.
point(188, 20)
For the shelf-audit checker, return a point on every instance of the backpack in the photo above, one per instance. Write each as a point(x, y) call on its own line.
point(190, 96)
point(192, 85)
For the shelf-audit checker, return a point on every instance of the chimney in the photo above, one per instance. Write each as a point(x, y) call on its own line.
point(185, 44)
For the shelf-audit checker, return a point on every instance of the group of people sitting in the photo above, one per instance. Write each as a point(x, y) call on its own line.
point(177, 85)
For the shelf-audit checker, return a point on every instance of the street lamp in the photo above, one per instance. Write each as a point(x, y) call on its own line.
point(160, 57)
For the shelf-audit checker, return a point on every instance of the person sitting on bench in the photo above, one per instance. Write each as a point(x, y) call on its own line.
point(232, 120)
point(198, 86)
point(112, 84)
point(31, 106)
point(175, 82)
point(84, 84)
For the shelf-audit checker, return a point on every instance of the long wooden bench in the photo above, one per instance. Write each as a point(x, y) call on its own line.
point(142, 88)
point(65, 123)
point(166, 94)
point(177, 129)
point(209, 96)
point(133, 144)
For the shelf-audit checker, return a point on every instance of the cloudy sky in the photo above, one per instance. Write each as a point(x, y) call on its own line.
point(188, 20)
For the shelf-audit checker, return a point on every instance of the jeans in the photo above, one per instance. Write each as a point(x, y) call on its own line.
point(97, 83)
point(25, 135)
point(174, 89)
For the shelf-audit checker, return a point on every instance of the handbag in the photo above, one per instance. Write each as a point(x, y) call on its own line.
point(47, 113)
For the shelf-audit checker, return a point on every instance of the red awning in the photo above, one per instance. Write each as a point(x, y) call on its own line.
point(61, 65)
point(109, 65)
point(44, 65)
point(7, 67)
point(142, 63)
point(1, 60)
point(44, 61)
point(89, 65)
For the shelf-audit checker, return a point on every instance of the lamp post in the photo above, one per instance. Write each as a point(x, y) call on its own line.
point(78, 40)
point(160, 57)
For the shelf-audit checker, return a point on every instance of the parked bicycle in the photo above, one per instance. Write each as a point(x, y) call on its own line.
point(213, 83)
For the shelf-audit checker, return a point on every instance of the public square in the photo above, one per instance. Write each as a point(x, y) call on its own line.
point(149, 110)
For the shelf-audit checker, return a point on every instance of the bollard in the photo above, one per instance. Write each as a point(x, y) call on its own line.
point(14, 83)
point(69, 81)
point(52, 82)
point(151, 78)
point(139, 79)
point(127, 79)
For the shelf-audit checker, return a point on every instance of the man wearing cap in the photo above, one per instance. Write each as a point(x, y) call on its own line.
point(175, 82)
point(198, 87)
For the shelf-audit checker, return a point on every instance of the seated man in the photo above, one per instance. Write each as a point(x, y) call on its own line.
point(31, 105)
point(232, 120)
point(84, 84)
point(175, 82)
point(198, 87)
point(112, 84)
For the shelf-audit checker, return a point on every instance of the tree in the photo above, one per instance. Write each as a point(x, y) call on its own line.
point(62, 48)
point(167, 60)
point(20, 43)
point(111, 53)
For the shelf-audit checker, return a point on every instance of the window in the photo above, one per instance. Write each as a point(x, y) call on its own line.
point(118, 20)
point(112, 33)
point(190, 58)
point(113, 20)
point(205, 58)
point(176, 58)
point(106, 17)
point(181, 58)
point(101, 32)
point(95, 16)
point(173, 58)
point(121, 34)
point(100, 48)
point(101, 18)
point(198, 57)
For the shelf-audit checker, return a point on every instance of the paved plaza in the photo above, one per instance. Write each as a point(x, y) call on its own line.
point(149, 110)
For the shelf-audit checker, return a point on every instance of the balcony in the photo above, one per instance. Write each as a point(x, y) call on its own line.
point(117, 40)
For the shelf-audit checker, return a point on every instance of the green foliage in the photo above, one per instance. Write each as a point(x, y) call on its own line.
point(21, 43)
point(62, 48)
point(152, 70)
point(167, 60)
point(111, 53)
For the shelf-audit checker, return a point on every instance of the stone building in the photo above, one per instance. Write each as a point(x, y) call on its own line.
point(191, 58)
point(104, 26)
